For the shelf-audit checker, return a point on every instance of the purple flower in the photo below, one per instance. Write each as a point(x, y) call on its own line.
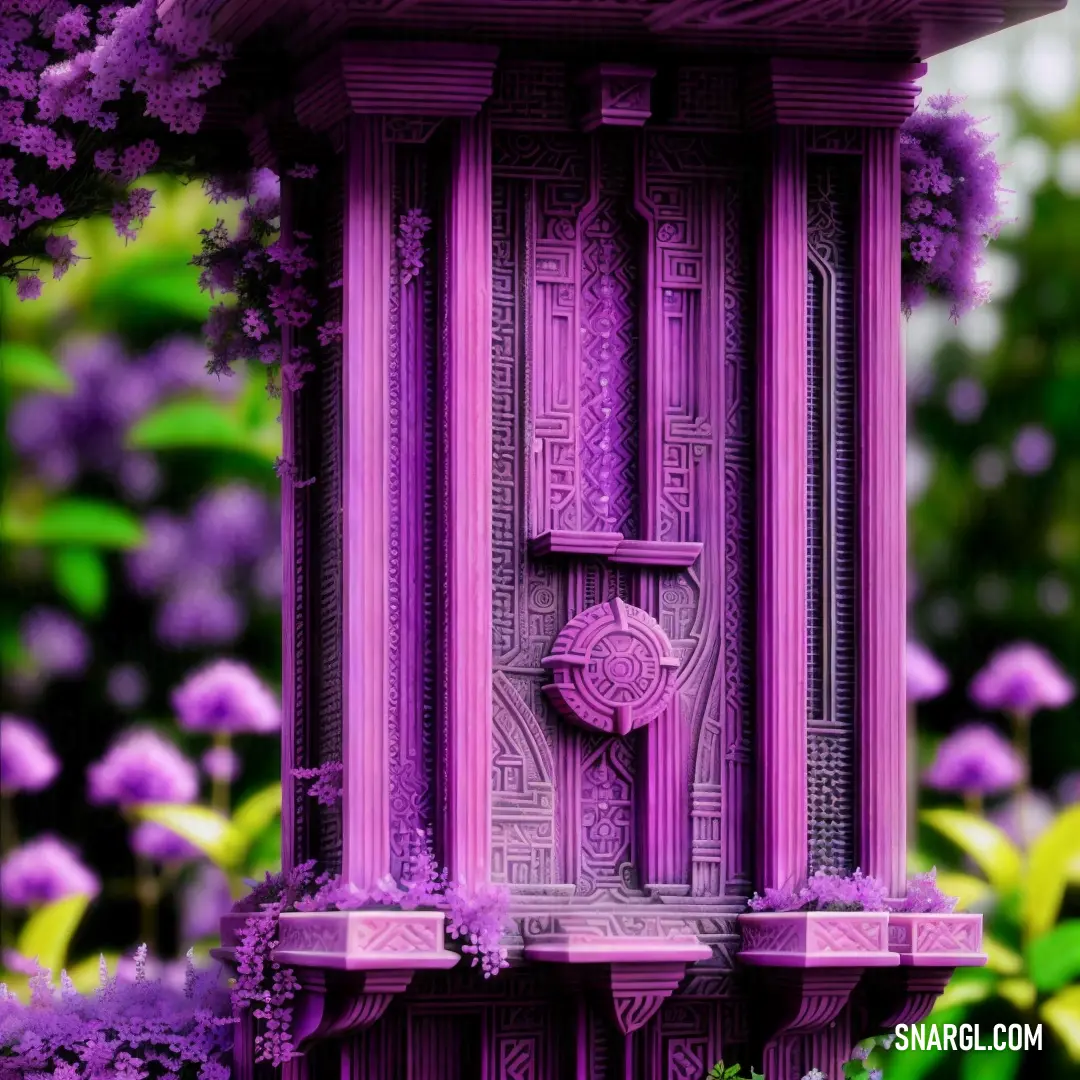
point(203, 902)
point(267, 581)
point(233, 525)
point(142, 766)
point(1068, 789)
point(924, 896)
point(975, 760)
point(826, 892)
point(1024, 817)
point(926, 678)
point(42, 871)
point(126, 686)
point(1022, 679)
point(221, 763)
point(966, 400)
point(156, 842)
point(226, 696)
point(26, 761)
point(199, 613)
point(56, 643)
point(1033, 449)
point(155, 565)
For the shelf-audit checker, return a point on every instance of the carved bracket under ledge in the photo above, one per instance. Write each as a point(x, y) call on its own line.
point(614, 547)
point(635, 975)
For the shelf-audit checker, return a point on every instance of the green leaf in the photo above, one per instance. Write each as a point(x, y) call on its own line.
point(1000, 959)
point(1000, 1065)
point(76, 521)
point(47, 935)
point(187, 425)
point(1054, 958)
point(851, 1069)
point(1062, 1014)
point(968, 890)
point(965, 990)
point(1044, 884)
point(206, 829)
point(264, 855)
point(986, 844)
point(82, 579)
point(251, 818)
point(26, 367)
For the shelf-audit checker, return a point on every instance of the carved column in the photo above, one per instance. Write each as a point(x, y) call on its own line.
point(782, 449)
point(882, 841)
point(466, 469)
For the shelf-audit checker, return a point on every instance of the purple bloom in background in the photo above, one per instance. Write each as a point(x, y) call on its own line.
point(233, 526)
point(1068, 789)
point(42, 871)
point(221, 763)
point(226, 696)
point(179, 365)
point(267, 580)
point(975, 760)
point(926, 678)
point(140, 476)
point(142, 766)
point(966, 400)
point(56, 643)
point(1024, 817)
point(1033, 449)
point(200, 613)
point(155, 842)
point(203, 903)
point(1022, 679)
point(126, 686)
point(154, 565)
point(26, 761)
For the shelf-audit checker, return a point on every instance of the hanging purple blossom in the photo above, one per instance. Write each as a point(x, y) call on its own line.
point(142, 766)
point(43, 871)
point(1022, 678)
point(412, 228)
point(27, 762)
point(926, 678)
point(950, 205)
point(226, 696)
point(975, 760)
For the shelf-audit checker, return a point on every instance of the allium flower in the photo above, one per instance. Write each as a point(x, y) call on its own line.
point(221, 763)
point(926, 678)
point(226, 696)
point(975, 760)
point(26, 761)
point(142, 766)
point(233, 525)
point(1024, 817)
point(156, 842)
point(42, 871)
point(1022, 679)
point(57, 643)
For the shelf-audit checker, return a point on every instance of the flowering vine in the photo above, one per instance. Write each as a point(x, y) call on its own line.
point(476, 917)
point(327, 786)
point(950, 206)
point(412, 228)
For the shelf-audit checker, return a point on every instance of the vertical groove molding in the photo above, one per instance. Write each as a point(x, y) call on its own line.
point(365, 508)
point(467, 710)
point(883, 518)
point(782, 529)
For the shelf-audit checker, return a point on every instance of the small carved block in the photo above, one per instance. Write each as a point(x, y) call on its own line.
point(937, 940)
point(613, 667)
point(619, 95)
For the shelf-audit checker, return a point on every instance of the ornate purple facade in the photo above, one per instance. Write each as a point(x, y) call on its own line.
point(602, 576)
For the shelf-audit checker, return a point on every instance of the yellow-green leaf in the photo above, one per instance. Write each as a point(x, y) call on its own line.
point(1054, 958)
point(1062, 1015)
point(201, 425)
point(1000, 958)
point(76, 521)
point(963, 992)
point(86, 973)
point(968, 890)
point(995, 854)
point(26, 367)
point(1044, 884)
point(82, 579)
point(47, 935)
point(206, 829)
point(1019, 993)
point(251, 818)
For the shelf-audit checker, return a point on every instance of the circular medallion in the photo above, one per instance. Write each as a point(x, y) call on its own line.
point(613, 669)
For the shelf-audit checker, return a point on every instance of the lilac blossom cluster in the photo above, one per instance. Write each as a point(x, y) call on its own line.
point(951, 189)
point(476, 917)
point(128, 1029)
point(327, 787)
point(412, 228)
point(68, 73)
point(826, 892)
point(924, 896)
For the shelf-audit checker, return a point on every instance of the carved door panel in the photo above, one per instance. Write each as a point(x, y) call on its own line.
point(622, 495)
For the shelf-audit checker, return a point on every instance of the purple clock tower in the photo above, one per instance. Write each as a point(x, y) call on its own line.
point(602, 574)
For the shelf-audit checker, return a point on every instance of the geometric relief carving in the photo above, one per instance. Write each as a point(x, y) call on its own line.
point(607, 815)
point(613, 667)
point(523, 793)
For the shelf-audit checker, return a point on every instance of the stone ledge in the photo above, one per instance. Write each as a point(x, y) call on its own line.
point(816, 939)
